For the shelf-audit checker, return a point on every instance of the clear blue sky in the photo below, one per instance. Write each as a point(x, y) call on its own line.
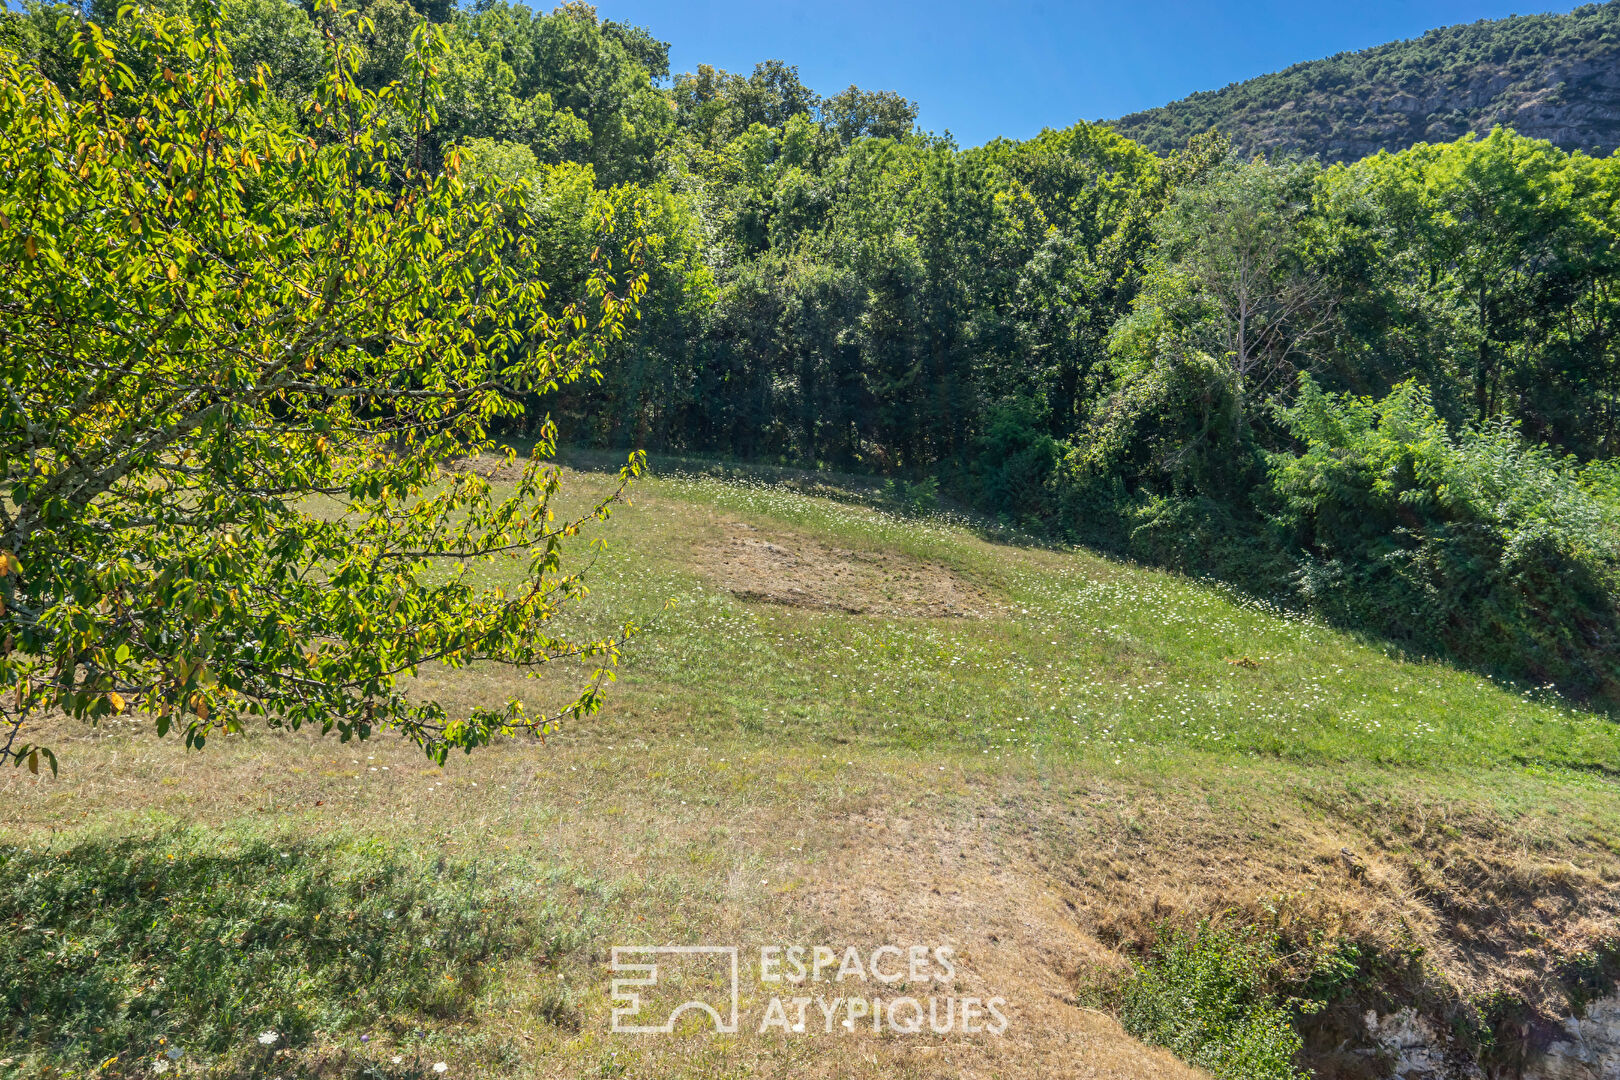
point(1011, 68)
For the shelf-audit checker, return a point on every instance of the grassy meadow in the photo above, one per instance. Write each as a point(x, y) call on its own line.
point(838, 726)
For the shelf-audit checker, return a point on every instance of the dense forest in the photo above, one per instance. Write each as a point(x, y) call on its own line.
point(1553, 77)
point(1385, 391)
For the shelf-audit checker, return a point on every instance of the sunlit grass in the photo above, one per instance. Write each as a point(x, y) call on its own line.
point(1087, 758)
point(1087, 659)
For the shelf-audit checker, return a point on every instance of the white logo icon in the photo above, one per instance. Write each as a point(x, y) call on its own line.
point(628, 1000)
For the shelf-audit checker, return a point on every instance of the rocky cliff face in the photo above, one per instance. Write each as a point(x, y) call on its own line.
point(1576, 106)
point(1587, 1047)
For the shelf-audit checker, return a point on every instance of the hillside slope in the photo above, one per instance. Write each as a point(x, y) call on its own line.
point(850, 728)
point(1554, 77)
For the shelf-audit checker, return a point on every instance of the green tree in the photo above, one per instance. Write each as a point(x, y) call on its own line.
point(718, 106)
point(1489, 266)
point(640, 44)
point(876, 114)
point(282, 37)
point(1235, 237)
point(233, 358)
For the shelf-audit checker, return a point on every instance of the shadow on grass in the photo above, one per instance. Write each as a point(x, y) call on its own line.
point(849, 489)
point(227, 947)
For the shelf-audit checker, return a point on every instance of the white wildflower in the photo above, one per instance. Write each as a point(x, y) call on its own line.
point(268, 1038)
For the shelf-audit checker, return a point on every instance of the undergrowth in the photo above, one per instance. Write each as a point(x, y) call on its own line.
point(1248, 1003)
point(1206, 996)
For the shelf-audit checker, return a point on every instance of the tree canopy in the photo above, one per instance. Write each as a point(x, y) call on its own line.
point(235, 354)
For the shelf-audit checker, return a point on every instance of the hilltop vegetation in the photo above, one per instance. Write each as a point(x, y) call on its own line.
point(1553, 77)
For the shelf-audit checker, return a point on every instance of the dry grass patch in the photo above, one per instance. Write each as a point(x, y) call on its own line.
point(1042, 876)
point(664, 842)
point(777, 566)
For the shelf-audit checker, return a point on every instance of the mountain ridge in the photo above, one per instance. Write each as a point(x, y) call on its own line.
point(1554, 77)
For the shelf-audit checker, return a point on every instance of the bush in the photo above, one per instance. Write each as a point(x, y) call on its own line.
point(1013, 466)
point(1204, 996)
point(1162, 476)
point(204, 942)
point(1493, 549)
point(908, 497)
point(1474, 544)
point(1165, 430)
point(1209, 538)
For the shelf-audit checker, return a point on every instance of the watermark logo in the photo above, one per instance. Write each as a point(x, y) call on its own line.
point(901, 989)
point(652, 966)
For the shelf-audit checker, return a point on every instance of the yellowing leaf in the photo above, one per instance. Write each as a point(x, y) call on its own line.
point(117, 701)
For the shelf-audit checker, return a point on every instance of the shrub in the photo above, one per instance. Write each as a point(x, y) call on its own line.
point(1499, 551)
point(1013, 466)
point(1162, 477)
point(912, 497)
point(1165, 430)
point(1204, 996)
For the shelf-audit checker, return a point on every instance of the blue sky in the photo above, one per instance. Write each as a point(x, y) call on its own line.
point(985, 69)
